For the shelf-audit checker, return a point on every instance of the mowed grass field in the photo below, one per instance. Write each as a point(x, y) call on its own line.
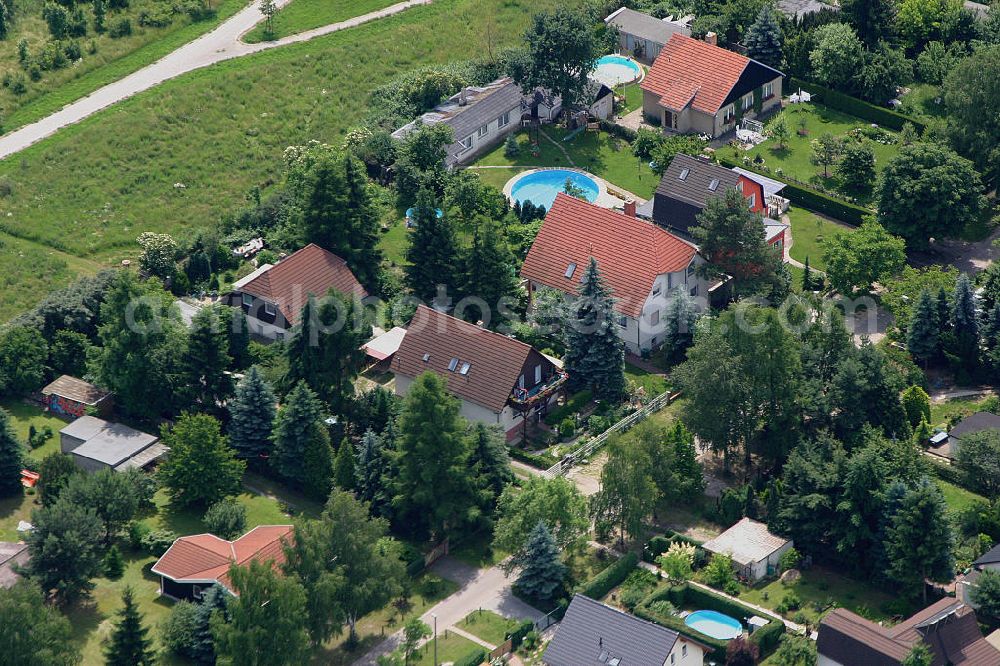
point(302, 15)
point(92, 188)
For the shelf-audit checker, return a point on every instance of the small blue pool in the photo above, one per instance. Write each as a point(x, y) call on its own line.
point(614, 70)
point(715, 625)
point(541, 187)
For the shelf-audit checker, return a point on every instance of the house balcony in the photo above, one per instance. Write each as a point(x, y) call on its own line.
point(527, 398)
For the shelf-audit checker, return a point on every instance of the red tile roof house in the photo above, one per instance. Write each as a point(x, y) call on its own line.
point(195, 563)
point(948, 628)
point(499, 380)
point(272, 296)
point(698, 87)
point(642, 264)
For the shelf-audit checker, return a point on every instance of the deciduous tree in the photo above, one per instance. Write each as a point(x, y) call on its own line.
point(202, 468)
point(986, 593)
point(112, 496)
point(23, 353)
point(973, 103)
point(978, 459)
point(873, 20)
point(11, 458)
point(836, 56)
point(860, 259)
point(33, 633)
point(227, 518)
point(65, 547)
point(857, 168)
point(556, 502)
point(628, 492)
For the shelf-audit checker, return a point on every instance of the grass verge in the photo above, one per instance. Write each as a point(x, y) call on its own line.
point(301, 15)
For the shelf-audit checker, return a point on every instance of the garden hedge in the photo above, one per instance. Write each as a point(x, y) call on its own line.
point(812, 199)
point(856, 107)
point(620, 131)
point(768, 637)
point(537, 461)
point(574, 404)
point(520, 632)
point(677, 624)
point(660, 544)
point(474, 659)
point(598, 586)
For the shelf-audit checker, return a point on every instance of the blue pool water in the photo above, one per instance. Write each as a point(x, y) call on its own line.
point(613, 70)
point(715, 625)
point(541, 187)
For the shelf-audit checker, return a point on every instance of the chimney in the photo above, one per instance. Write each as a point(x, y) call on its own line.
point(463, 97)
point(712, 38)
point(630, 207)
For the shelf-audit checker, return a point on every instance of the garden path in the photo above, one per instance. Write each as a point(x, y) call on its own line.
point(222, 43)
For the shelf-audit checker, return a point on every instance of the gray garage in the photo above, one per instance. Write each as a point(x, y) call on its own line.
point(96, 444)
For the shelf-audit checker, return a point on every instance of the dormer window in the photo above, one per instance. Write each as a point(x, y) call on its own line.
point(684, 174)
point(464, 370)
point(714, 185)
point(452, 364)
point(570, 270)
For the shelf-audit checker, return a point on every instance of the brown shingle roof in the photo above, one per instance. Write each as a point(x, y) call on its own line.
point(76, 390)
point(692, 71)
point(311, 270)
point(495, 361)
point(630, 252)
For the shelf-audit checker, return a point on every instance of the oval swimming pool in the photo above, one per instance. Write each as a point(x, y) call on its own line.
point(715, 625)
point(541, 187)
point(614, 70)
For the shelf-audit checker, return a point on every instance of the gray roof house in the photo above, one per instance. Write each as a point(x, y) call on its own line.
point(641, 35)
point(593, 634)
point(96, 444)
point(481, 117)
point(948, 448)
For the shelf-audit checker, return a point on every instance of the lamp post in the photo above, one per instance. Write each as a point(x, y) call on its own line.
point(434, 615)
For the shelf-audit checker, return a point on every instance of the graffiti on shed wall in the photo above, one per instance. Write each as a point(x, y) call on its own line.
point(61, 405)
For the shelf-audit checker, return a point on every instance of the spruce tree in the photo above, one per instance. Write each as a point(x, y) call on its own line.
point(489, 271)
point(344, 476)
point(252, 412)
point(763, 39)
point(964, 322)
point(688, 475)
point(206, 360)
point(345, 330)
point(943, 310)
point(680, 318)
point(542, 572)
point(369, 471)
point(919, 540)
point(489, 462)
point(923, 334)
point(213, 601)
point(301, 443)
point(302, 349)
point(130, 644)
point(11, 458)
point(595, 354)
point(807, 281)
point(433, 251)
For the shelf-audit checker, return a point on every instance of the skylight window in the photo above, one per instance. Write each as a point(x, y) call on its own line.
point(464, 370)
point(570, 270)
point(427, 357)
point(714, 185)
point(452, 364)
point(684, 174)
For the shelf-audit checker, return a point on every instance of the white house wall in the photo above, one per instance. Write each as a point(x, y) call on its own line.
point(695, 656)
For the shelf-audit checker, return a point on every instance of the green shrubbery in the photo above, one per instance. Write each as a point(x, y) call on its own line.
point(574, 404)
point(599, 586)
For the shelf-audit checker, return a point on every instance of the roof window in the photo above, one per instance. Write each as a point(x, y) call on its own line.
point(684, 174)
point(714, 185)
point(427, 357)
point(570, 270)
point(452, 364)
point(464, 370)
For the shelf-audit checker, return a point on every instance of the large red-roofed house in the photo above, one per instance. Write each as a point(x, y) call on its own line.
point(698, 87)
point(197, 562)
point(642, 263)
point(498, 380)
point(273, 295)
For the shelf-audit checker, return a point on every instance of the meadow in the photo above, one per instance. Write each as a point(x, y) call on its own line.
point(301, 15)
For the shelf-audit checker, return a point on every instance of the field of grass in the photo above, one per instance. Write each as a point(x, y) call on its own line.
point(920, 102)
point(113, 59)
point(652, 383)
point(794, 158)
point(808, 232)
point(943, 412)
point(820, 590)
point(958, 498)
point(301, 15)
point(597, 152)
point(93, 187)
point(488, 626)
point(451, 648)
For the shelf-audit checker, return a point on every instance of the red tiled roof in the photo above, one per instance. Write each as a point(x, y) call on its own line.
point(207, 558)
point(311, 270)
point(692, 71)
point(495, 361)
point(630, 252)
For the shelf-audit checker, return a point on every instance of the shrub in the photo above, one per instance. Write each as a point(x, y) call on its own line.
point(157, 542)
point(574, 404)
point(177, 629)
point(511, 148)
point(789, 560)
point(598, 586)
point(719, 572)
point(790, 602)
point(567, 427)
point(663, 607)
point(136, 533)
point(122, 27)
point(226, 518)
point(521, 632)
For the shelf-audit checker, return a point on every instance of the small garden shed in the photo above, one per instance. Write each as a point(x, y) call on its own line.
point(754, 549)
point(69, 396)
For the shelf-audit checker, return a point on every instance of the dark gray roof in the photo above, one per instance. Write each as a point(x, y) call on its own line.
point(694, 187)
point(975, 423)
point(645, 26)
point(800, 8)
point(592, 634)
point(992, 556)
point(106, 442)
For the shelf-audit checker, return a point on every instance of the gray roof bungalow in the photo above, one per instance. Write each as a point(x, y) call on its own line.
point(593, 634)
point(797, 9)
point(96, 444)
point(948, 448)
point(481, 117)
point(642, 36)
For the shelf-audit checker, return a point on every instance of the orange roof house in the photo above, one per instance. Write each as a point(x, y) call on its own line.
point(640, 262)
point(698, 87)
point(194, 563)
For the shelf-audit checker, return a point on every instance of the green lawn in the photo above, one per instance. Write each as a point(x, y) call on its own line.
point(450, 648)
point(943, 412)
point(920, 102)
point(808, 232)
point(488, 626)
point(597, 152)
point(958, 498)
point(91, 189)
point(301, 15)
point(114, 59)
point(818, 588)
point(794, 158)
point(24, 416)
point(633, 96)
point(652, 383)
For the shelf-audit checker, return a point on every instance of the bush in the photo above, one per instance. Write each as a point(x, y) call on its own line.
point(567, 427)
point(856, 107)
point(598, 586)
point(176, 631)
point(474, 659)
point(574, 404)
point(789, 560)
point(536, 460)
point(122, 27)
point(226, 518)
point(511, 148)
point(157, 542)
point(136, 533)
point(790, 602)
point(521, 632)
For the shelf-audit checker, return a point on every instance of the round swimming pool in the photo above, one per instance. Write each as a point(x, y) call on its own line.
point(541, 187)
point(614, 70)
point(715, 625)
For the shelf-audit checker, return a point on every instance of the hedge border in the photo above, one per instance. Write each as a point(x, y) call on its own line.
point(857, 107)
point(598, 586)
point(474, 659)
point(537, 461)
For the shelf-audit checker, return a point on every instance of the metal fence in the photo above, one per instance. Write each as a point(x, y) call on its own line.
point(584, 452)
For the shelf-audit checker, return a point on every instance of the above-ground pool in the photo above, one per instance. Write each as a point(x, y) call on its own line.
point(715, 625)
point(541, 187)
point(614, 70)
